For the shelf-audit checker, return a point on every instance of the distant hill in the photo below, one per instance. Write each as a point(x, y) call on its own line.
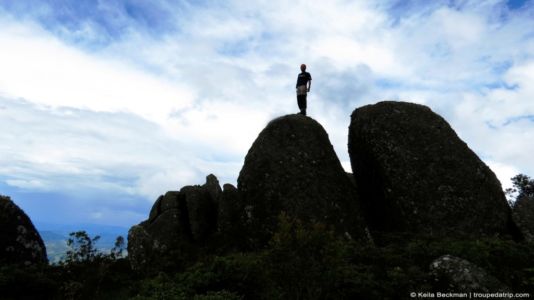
point(55, 236)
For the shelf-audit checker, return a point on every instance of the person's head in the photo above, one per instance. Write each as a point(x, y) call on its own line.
point(303, 67)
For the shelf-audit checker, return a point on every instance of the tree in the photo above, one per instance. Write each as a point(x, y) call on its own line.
point(523, 186)
point(118, 248)
point(81, 248)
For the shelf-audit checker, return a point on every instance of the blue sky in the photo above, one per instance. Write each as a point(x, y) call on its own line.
point(105, 105)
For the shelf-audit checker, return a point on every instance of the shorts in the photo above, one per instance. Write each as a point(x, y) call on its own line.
point(302, 90)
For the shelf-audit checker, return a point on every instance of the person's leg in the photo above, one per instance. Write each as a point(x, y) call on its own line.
point(302, 104)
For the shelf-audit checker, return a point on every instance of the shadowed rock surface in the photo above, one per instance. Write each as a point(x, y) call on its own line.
point(292, 167)
point(231, 218)
point(414, 174)
point(523, 213)
point(19, 240)
point(179, 224)
point(453, 274)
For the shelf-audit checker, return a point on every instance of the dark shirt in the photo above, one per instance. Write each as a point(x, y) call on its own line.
point(303, 78)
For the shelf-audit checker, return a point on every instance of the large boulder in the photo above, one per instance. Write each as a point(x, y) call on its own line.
point(453, 274)
point(179, 224)
point(416, 175)
point(523, 214)
point(292, 168)
point(20, 243)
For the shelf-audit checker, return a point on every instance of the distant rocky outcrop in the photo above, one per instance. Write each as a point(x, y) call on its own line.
point(292, 168)
point(179, 224)
point(20, 243)
point(523, 213)
point(453, 274)
point(415, 175)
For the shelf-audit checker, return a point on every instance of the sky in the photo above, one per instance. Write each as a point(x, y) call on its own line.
point(105, 105)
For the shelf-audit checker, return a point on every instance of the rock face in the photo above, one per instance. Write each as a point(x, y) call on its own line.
point(178, 225)
point(231, 225)
point(453, 274)
point(523, 213)
point(292, 167)
point(415, 175)
point(19, 240)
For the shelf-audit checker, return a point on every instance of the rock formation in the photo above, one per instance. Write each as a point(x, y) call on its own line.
point(415, 175)
point(292, 168)
point(523, 213)
point(411, 174)
point(231, 225)
point(453, 274)
point(19, 240)
point(179, 224)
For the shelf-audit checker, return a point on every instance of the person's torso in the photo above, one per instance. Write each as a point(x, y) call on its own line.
point(303, 78)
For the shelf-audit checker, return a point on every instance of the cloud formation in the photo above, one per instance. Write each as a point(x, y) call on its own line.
point(131, 99)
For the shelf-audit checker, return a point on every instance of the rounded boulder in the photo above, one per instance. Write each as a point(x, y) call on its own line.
point(20, 243)
point(415, 175)
point(292, 168)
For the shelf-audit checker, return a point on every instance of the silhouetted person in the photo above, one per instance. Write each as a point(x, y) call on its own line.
point(303, 87)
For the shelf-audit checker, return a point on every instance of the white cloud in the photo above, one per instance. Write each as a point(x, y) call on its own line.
point(96, 215)
point(26, 184)
point(60, 149)
point(504, 173)
point(38, 67)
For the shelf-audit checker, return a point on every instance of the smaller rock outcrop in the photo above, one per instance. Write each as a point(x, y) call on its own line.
point(178, 225)
point(523, 214)
point(231, 223)
point(453, 274)
point(20, 243)
point(292, 168)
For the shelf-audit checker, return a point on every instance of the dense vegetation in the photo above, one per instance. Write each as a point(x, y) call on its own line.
point(301, 261)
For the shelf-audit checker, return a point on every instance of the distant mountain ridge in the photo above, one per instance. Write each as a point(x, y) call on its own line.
point(55, 236)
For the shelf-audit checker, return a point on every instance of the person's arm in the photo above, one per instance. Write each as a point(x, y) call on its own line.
point(309, 83)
